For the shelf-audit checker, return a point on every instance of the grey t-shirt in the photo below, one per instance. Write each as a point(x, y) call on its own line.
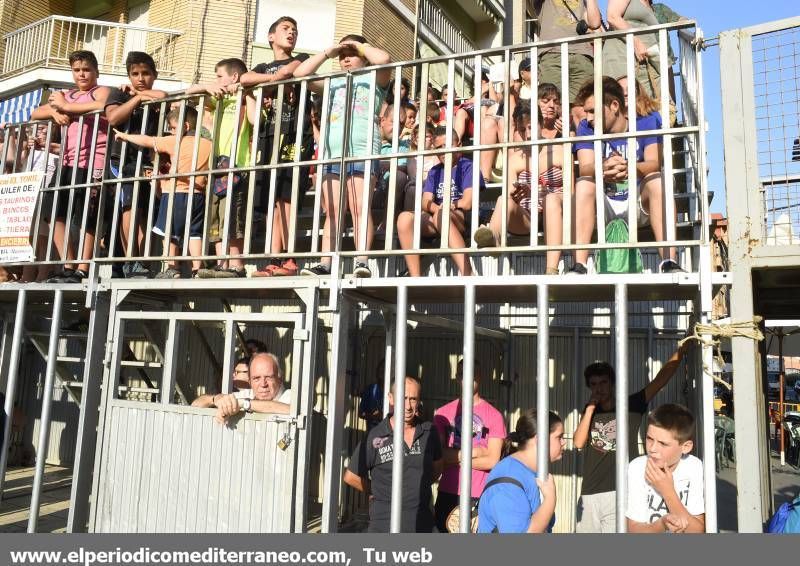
point(556, 21)
point(599, 455)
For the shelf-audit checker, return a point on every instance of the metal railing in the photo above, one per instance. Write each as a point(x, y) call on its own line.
point(48, 43)
point(681, 180)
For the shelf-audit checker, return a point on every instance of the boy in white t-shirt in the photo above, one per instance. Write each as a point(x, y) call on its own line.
point(665, 487)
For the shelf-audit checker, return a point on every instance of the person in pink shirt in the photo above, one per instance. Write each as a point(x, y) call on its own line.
point(84, 161)
point(488, 432)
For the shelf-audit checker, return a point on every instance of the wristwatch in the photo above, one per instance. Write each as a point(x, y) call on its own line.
point(244, 405)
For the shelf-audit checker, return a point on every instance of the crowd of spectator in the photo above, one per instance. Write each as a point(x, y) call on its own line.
point(113, 133)
point(508, 495)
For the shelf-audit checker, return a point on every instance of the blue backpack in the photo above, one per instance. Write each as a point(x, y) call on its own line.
point(786, 519)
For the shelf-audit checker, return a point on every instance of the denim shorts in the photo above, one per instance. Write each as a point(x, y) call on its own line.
point(354, 169)
point(179, 216)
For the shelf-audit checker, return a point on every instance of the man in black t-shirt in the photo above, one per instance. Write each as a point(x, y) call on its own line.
point(370, 469)
point(596, 435)
point(282, 39)
point(125, 112)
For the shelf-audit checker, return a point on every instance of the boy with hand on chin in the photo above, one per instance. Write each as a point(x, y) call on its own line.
point(665, 487)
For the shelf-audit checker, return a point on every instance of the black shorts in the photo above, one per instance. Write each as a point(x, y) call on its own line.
point(62, 206)
point(283, 178)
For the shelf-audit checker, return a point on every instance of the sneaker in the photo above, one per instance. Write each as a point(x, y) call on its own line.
point(77, 276)
point(551, 271)
point(169, 273)
point(484, 237)
point(135, 270)
point(230, 273)
point(670, 266)
point(59, 276)
point(361, 270)
point(266, 271)
point(319, 270)
point(208, 273)
point(287, 269)
point(577, 269)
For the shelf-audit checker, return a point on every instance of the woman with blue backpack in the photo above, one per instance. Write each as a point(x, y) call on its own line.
point(515, 499)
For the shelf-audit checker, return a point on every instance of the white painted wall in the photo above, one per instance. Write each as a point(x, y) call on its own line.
point(315, 21)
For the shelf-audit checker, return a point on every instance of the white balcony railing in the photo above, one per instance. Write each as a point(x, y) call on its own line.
point(48, 43)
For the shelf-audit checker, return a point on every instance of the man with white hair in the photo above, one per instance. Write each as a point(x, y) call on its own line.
point(267, 393)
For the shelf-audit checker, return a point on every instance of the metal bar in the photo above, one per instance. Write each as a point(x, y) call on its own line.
point(326, 94)
point(399, 393)
point(542, 381)
point(47, 406)
point(623, 434)
point(534, 159)
point(11, 383)
point(669, 175)
point(390, 322)
point(448, 158)
point(476, 159)
point(170, 363)
point(361, 236)
point(296, 197)
point(467, 399)
point(707, 408)
point(227, 360)
point(599, 128)
point(391, 197)
point(420, 159)
point(336, 417)
point(81, 488)
point(306, 349)
point(274, 158)
point(633, 187)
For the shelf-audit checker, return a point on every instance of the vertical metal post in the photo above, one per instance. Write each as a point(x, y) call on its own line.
point(89, 415)
point(336, 415)
point(398, 443)
point(167, 385)
point(542, 381)
point(745, 211)
point(228, 363)
point(306, 386)
point(391, 321)
point(706, 407)
point(623, 435)
point(576, 388)
point(47, 405)
point(11, 384)
point(467, 397)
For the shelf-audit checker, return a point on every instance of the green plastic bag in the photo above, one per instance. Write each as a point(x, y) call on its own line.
point(619, 260)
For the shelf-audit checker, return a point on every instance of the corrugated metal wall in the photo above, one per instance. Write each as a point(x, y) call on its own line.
point(174, 470)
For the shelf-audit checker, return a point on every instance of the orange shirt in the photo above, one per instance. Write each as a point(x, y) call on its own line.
point(183, 164)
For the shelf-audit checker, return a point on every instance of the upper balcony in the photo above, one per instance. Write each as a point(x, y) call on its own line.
point(392, 217)
point(45, 46)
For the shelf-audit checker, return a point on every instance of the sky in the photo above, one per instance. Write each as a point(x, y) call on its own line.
point(714, 16)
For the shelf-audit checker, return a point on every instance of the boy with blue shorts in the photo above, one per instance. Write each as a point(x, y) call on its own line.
point(185, 191)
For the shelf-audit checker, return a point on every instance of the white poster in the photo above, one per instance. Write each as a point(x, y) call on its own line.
point(18, 195)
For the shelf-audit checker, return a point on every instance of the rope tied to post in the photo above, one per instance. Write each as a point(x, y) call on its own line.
point(710, 334)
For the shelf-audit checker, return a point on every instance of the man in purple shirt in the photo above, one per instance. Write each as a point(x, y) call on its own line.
point(649, 190)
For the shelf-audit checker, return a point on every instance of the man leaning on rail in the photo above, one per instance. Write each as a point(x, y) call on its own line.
point(267, 393)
